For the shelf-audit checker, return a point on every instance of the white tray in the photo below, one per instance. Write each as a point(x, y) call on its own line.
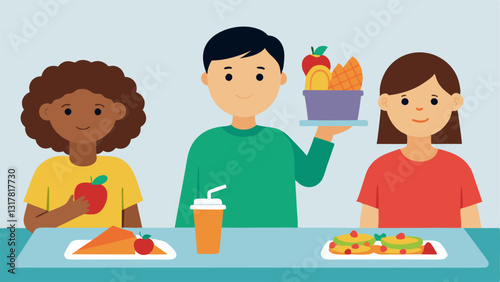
point(438, 247)
point(77, 244)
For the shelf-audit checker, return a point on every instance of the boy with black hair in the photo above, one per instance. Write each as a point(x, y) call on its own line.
point(259, 165)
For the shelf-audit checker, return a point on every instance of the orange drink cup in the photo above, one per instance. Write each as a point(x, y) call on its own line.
point(208, 223)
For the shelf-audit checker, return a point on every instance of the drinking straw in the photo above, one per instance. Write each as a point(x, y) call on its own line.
point(215, 190)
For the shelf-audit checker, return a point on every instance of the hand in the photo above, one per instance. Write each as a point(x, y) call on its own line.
point(326, 132)
point(76, 208)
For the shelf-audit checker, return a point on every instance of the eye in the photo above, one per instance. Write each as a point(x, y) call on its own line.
point(229, 77)
point(434, 101)
point(405, 101)
point(67, 111)
point(259, 77)
point(97, 111)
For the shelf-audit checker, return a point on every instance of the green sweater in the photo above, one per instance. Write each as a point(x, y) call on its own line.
point(259, 166)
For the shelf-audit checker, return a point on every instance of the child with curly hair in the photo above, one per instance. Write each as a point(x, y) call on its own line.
point(83, 108)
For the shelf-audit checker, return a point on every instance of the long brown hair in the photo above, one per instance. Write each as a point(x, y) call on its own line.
point(409, 72)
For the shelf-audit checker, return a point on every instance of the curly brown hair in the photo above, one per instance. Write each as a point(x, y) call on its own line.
point(97, 77)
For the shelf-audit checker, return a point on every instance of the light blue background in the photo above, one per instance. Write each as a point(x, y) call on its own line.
point(137, 36)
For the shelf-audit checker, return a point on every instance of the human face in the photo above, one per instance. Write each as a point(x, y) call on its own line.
point(244, 87)
point(422, 111)
point(82, 116)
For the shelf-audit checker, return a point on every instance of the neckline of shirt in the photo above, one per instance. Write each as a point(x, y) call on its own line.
point(243, 132)
point(82, 166)
point(421, 162)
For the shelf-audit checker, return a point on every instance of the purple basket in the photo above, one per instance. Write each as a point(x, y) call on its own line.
point(333, 104)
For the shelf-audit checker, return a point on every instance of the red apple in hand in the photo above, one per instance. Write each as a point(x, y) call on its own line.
point(94, 193)
point(316, 58)
point(144, 245)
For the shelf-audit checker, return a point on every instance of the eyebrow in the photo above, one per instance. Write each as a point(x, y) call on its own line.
point(434, 95)
point(228, 68)
point(403, 95)
point(262, 68)
point(65, 105)
point(100, 105)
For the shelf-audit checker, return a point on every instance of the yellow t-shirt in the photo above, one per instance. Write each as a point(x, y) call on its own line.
point(55, 181)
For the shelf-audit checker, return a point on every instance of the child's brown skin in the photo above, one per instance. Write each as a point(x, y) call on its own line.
point(82, 127)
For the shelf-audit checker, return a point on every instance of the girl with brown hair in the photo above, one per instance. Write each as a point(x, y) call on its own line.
point(419, 185)
point(83, 108)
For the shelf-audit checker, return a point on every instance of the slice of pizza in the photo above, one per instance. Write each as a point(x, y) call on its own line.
point(113, 241)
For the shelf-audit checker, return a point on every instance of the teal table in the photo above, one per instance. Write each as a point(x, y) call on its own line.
point(254, 254)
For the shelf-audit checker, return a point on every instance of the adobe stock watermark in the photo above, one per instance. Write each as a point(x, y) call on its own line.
point(303, 270)
point(121, 276)
point(482, 92)
point(248, 149)
point(364, 35)
point(223, 7)
point(31, 25)
point(150, 82)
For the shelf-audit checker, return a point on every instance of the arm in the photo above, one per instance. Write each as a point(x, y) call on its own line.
point(131, 217)
point(35, 217)
point(470, 217)
point(310, 168)
point(470, 197)
point(369, 217)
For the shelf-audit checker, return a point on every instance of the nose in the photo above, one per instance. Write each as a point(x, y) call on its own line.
point(419, 109)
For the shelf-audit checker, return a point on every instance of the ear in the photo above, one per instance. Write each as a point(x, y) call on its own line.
point(204, 78)
point(283, 78)
point(44, 111)
point(119, 110)
point(457, 101)
point(382, 101)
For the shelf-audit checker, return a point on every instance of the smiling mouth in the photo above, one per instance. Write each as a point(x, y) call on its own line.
point(243, 97)
point(420, 121)
point(79, 128)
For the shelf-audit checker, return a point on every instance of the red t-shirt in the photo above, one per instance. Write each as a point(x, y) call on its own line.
point(419, 194)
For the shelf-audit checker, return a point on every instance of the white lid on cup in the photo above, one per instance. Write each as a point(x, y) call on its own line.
point(209, 203)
